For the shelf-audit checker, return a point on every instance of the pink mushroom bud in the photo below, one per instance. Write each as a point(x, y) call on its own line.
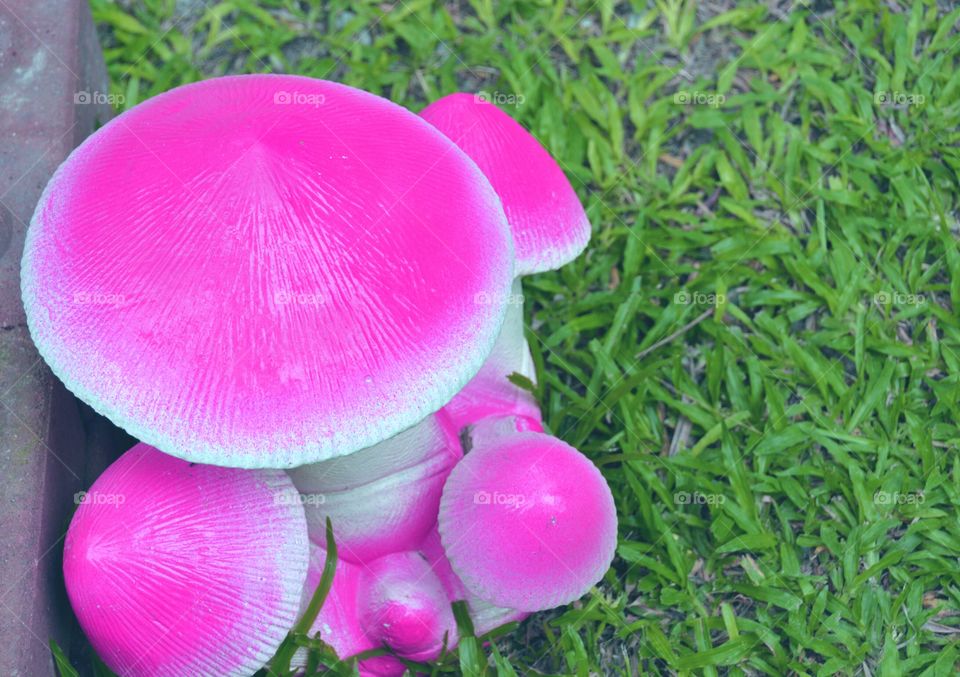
point(526, 520)
point(382, 499)
point(395, 601)
point(180, 569)
point(549, 227)
point(266, 270)
point(403, 605)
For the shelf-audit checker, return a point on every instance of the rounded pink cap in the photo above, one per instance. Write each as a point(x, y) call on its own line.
point(548, 223)
point(266, 270)
point(403, 605)
point(527, 521)
point(181, 569)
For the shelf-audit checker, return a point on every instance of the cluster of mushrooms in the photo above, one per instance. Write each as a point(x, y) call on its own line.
point(304, 301)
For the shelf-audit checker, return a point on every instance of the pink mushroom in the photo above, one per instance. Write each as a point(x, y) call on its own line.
point(275, 271)
point(548, 223)
point(180, 569)
point(403, 605)
point(266, 270)
point(383, 499)
point(549, 227)
point(527, 521)
point(395, 602)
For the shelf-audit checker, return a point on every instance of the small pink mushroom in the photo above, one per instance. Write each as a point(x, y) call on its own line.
point(395, 601)
point(404, 606)
point(526, 520)
point(179, 569)
point(548, 223)
point(549, 227)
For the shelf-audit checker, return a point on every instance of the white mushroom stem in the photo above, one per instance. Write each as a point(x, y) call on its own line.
point(384, 498)
point(491, 392)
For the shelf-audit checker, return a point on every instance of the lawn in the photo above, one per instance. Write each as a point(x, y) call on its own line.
point(760, 347)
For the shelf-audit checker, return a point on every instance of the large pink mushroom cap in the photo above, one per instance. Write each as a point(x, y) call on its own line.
point(180, 569)
point(266, 270)
point(526, 520)
point(549, 225)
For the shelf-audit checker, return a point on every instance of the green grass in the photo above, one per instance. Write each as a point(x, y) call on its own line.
point(760, 348)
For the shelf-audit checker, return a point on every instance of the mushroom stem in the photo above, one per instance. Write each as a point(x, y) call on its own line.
point(382, 499)
point(492, 430)
point(491, 392)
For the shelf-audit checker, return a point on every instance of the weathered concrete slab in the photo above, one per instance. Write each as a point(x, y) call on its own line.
point(49, 57)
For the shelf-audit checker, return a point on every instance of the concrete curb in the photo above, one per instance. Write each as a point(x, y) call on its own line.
point(50, 447)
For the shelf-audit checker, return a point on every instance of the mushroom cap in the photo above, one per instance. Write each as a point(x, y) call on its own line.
point(527, 521)
point(548, 223)
point(266, 270)
point(180, 569)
